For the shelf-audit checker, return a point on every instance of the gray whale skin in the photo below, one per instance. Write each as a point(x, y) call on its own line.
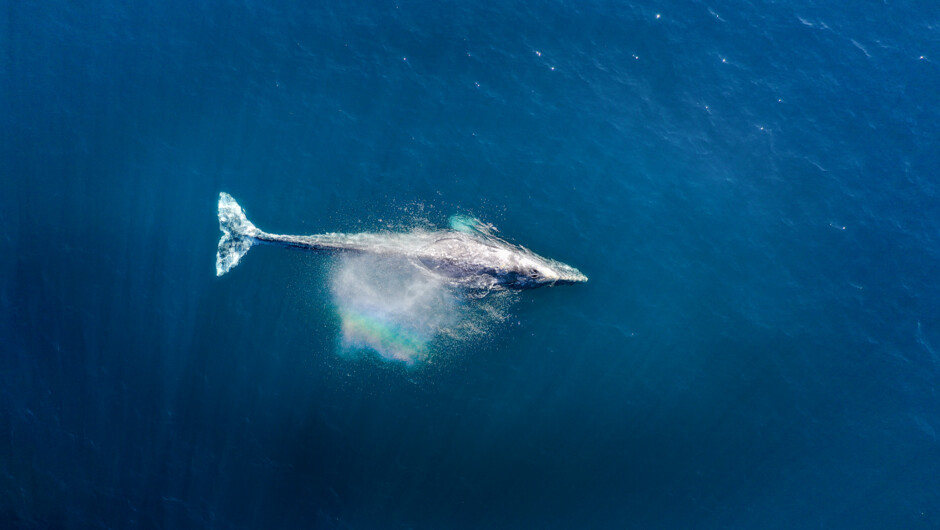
point(468, 255)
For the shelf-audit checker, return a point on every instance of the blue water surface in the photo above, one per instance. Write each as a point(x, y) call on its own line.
point(752, 189)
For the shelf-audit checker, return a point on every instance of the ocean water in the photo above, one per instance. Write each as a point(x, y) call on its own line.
point(752, 189)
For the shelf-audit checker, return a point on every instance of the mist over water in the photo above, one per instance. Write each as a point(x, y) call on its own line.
point(399, 311)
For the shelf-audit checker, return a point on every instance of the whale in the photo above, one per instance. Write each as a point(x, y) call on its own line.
point(465, 255)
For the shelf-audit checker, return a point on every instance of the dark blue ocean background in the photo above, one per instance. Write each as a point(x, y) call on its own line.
point(753, 189)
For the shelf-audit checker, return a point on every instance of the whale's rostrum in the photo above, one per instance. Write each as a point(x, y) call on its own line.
point(468, 255)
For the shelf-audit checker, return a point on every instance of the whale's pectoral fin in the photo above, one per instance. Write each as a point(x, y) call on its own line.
point(470, 225)
point(237, 234)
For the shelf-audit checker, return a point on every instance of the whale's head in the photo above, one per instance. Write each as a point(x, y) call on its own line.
point(566, 274)
point(534, 271)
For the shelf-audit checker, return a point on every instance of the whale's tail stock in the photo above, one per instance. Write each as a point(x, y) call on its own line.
point(238, 234)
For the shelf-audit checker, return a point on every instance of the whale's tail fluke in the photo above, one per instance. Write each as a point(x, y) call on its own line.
point(238, 234)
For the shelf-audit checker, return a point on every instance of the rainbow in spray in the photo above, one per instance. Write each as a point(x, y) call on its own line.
point(391, 340)
point(387, 306)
